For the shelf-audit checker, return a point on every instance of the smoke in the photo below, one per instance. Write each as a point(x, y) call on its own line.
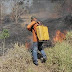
point(45, 8)
point(7, 6)
point(28, 3)
point(52, 8)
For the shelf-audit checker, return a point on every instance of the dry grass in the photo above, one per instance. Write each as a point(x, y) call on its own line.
point(60, 56)
point(17, 60)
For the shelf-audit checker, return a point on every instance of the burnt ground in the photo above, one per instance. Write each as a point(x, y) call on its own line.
point(21, 34)
point(62, 24)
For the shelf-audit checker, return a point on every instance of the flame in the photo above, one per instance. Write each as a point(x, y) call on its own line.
point(59, 36)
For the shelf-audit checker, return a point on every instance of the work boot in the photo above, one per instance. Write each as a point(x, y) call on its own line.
point(35, 62)
point(43, 60)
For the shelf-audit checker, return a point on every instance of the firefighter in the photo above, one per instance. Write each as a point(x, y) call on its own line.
point(36, 44)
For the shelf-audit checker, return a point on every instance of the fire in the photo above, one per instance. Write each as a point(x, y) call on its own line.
point(59, 36)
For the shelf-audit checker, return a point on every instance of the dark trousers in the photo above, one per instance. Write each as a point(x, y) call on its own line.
point(37, 46)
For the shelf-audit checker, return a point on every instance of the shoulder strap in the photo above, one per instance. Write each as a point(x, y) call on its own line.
point(35, 32)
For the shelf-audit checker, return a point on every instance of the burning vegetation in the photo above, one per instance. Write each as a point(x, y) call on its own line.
point(56, 15)
point(59, 36)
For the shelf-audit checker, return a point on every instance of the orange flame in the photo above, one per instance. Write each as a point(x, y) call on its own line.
point(59, 36)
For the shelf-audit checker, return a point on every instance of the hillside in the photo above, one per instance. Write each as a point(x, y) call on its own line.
point(16, 41)
point(59, 58)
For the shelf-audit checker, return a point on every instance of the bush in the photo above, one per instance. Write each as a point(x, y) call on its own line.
point(3, 35)
point(18, 59)
point(60, 56)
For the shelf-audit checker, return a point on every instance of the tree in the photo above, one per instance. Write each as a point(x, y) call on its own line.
point(4, 34)
point(1, 12)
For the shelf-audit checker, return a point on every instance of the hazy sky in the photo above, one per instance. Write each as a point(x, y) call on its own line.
point(9, 5)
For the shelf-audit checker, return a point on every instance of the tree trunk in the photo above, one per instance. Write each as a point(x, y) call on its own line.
point(3, 46)
point(0, 13)
point(16, 13)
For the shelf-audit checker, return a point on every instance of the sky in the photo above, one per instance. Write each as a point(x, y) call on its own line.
point(10, 4)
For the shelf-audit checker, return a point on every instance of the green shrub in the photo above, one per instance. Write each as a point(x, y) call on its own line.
point(60, 57)
point(3, 35)
point(18, 59)
point(69, 37)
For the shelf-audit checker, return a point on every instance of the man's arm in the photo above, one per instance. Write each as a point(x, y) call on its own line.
point(30, 25)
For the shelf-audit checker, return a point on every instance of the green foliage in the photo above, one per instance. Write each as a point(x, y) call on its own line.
point(4, 34)
point(69, 38)
point(60, 56)
point(69, 35)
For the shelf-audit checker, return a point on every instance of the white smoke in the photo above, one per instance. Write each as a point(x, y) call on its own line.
point(28, 3)
point(7, 6)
